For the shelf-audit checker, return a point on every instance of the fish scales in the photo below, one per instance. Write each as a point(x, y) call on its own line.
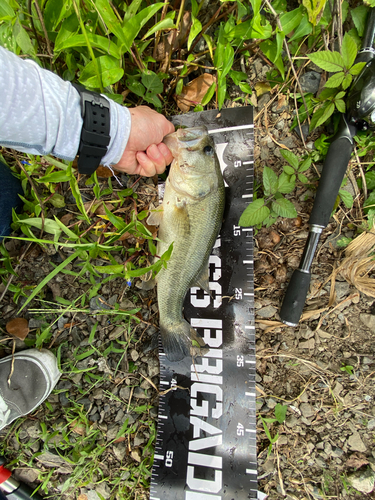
point(191, 218)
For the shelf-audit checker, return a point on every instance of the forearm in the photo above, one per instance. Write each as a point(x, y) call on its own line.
point(40, 113)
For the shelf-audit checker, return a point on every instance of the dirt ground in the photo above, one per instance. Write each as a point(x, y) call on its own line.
point(323, 370)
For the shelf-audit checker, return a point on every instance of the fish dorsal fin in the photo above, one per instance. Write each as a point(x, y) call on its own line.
point(202, 280)
point(156, 215)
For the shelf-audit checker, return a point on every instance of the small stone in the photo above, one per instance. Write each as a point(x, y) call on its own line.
point(309, 344)
point(98, 304)
point(125, 393)
point(103, 490)
point(368, 320)
point(134, 354)
point(355, 442)
point(307, 410)
point(371, 424)
point(136, 455)
point(267, 312)
point(363, 481)
point(289, 142)
point(27, 475)
point(280, 125)
point(291, 421)
point(310, 82)
point(337, 389)
point(119, 450)
point(342, 289)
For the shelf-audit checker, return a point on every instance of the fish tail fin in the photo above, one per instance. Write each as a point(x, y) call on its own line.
point(178, 342)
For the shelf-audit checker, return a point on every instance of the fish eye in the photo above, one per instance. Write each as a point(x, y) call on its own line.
point(208, 150)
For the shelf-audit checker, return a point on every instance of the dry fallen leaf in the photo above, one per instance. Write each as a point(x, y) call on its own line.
point(193, 93)
point(104, 172)
point(262, 88)
point(356, 461)
point(65, 219)
point(19, 327)
point(83, 496)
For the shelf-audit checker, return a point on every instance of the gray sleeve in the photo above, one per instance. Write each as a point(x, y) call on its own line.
point(40, 113)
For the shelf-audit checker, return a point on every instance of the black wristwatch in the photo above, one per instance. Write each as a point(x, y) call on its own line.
point(95, 130)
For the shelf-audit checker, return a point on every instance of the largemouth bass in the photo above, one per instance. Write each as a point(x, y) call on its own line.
point(190, 217)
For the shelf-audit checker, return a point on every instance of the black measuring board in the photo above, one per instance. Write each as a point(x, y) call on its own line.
point(206, 441)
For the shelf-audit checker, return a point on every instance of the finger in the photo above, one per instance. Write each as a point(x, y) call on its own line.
point(146, 165)
point(155, 153)
point(168, 128)
point(165, 151)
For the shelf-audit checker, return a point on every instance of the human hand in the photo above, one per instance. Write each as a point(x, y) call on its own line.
point(145, 154)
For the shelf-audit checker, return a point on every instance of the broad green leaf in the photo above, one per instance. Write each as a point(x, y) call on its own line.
point(290, 158)
point(252, 28)
point(152, 82)
point(55, 11)
point(269, 181)
point(314, 7)
point(370, 202)
point(23, 40)
point(346, 198)
point(327, 60)
point(327, 112)
point(68, 29)
point(60, 176)
point(347, 81)
point(370, 180)
point(50, 226)
point(305, 165)
point(97, 41)
point(237, 76)
point(285, 185)
point(359, 16)
point(132, 10)
point(340, 105)
point(288, 169)
point(269, 49)
point(303, 29)
point(195, 29)
point(6, 12)
point(228, 59)
point(284, 208)
point(335, 80)
point(109, 70)
point(290, 20)
point(179, 86)
point(245, 87)
point(279, 43)
point(357, 68)
point(254, 214)
point(166, 23)
point(302, 178)
point(280, 412)
point(256, 4)
point(209, 94)
point(221, 91)
point(136, 87)
point(133, 26)
point(118, 222)
point(57, 200)
point(210, 45)
point(348, 50)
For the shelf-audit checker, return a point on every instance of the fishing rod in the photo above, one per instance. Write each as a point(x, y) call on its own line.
point(11, 489)
point(360, 115)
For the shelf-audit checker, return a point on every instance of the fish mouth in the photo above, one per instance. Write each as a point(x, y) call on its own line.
point(188, 138)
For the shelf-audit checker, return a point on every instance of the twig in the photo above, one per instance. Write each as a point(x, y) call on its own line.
point(40, 15)
point(364, 185)
point(12, 364)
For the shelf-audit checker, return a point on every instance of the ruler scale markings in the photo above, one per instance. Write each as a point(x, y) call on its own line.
point(174, 464)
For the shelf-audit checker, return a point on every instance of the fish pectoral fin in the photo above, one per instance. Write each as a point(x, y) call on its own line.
point(202, 280)
point(156, 215)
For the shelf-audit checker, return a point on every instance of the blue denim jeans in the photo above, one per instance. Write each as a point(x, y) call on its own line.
point(9, 191)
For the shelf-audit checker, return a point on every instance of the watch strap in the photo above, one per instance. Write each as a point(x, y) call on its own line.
point(95, 130)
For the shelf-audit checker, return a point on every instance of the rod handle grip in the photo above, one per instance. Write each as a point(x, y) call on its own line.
point(295, 297)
